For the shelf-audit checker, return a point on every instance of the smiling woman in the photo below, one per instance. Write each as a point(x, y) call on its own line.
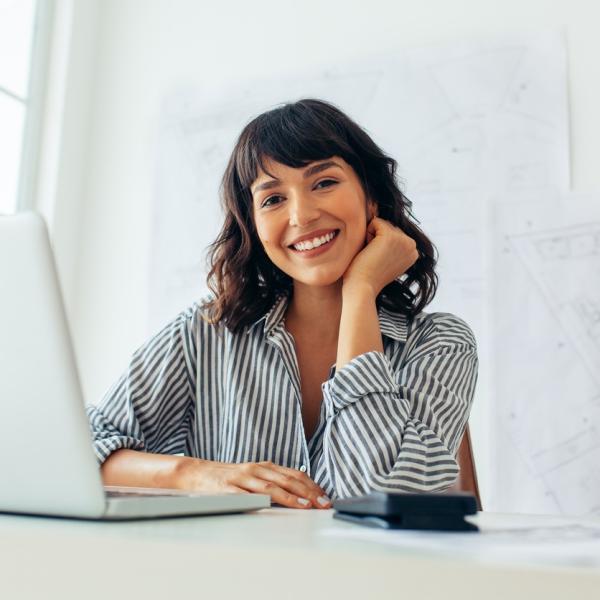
point(311, 371)
point(302, 155)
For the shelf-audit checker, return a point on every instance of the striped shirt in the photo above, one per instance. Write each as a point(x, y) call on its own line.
point(388, 421)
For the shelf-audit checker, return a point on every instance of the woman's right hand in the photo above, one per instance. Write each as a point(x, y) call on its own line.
point(286, 486)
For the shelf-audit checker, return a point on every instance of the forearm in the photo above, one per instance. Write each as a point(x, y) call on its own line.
point(142, 469)
point(417, 406)
point(286, 486)
point(359, 324)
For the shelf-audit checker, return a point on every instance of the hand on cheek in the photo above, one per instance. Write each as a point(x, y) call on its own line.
point(387, 254)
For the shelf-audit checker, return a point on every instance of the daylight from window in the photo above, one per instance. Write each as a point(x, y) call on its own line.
point(16, 35)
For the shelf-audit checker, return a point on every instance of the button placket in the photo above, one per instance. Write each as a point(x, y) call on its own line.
point(286, 346)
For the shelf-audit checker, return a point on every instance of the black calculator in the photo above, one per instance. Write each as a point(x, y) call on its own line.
point(433, 511)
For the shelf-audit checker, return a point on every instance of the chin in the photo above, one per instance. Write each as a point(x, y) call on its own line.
point(318, 280)
point(316, 276)
point(317, 283)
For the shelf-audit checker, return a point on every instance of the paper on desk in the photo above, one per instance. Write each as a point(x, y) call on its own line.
point(547, 354)
point(503, 538)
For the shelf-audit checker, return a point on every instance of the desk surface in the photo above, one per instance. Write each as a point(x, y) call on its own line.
point(280, 553)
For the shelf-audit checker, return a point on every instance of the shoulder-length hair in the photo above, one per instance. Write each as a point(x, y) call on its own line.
point(243, 280)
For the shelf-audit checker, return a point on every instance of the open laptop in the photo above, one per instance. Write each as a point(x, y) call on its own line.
point(47, 464)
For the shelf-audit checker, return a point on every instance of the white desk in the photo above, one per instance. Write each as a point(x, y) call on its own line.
point(274, 553)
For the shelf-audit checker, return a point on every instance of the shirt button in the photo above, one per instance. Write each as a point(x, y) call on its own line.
point(303, 468)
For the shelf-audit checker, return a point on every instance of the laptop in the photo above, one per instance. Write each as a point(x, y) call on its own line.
point(47, 464)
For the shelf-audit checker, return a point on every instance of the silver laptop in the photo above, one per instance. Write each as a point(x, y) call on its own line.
point(47, 465)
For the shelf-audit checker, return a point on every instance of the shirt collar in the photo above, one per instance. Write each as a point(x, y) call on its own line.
point(392, 324)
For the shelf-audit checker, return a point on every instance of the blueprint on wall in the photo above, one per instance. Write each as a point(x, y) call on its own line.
point(546, 351)
point(470, 123)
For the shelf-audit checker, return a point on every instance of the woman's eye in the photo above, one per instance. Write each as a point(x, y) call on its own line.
point(271, 200)
point(267, 201)
point(325, 183)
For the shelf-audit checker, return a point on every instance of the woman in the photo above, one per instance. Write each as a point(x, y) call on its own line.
point(310, 372)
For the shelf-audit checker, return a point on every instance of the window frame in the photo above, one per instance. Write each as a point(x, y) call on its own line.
point(34, 105)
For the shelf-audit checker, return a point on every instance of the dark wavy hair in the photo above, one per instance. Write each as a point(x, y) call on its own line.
point(243, 280)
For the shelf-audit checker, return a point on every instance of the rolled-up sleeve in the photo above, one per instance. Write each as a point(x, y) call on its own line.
point(399, 429)
point(151, 406)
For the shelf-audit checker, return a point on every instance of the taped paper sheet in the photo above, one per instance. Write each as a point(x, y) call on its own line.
point(547, 354)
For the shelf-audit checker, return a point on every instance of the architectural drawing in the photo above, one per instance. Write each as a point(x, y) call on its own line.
point(547, 391)
point(565, 263)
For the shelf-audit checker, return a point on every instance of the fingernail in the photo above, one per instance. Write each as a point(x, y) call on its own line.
point(303, 501)
point(323, 500)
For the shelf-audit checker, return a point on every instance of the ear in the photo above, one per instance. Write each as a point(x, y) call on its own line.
point(372, 210)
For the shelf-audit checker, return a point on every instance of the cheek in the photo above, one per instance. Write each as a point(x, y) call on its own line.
point(267, 236)
point(357, 241)
point(268, 242)
point(262, 231)
point(357, 229)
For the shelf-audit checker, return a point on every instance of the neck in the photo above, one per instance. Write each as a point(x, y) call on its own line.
point(315, 312)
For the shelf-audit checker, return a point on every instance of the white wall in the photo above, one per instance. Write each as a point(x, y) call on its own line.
point(66, 124)
point(135, 51)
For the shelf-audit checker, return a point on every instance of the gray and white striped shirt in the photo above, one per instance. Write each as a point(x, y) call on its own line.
point(388, 421)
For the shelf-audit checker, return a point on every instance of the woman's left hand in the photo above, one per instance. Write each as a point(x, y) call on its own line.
point(388, 253)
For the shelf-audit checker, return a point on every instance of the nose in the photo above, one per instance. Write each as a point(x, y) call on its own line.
point(302, 210)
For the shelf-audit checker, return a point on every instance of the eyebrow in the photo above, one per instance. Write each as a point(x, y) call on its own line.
point(309, 172)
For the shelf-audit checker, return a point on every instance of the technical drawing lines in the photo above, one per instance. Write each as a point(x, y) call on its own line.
point(565, 245)
point(565, 266)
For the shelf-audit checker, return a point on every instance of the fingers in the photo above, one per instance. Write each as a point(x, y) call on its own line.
point(296, 483)
point(301, 477)
point(278, 494)
point(375, 226)
point(287, 487)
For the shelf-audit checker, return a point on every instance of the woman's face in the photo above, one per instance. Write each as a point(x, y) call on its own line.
point(323, 198)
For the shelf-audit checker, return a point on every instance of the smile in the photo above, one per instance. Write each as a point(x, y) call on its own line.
point(315, 247)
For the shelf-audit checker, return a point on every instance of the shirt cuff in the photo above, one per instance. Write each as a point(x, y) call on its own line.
point(104, 447)
point(366, 374)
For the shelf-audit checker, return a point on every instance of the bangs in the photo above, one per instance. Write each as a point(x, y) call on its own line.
point(293, 135)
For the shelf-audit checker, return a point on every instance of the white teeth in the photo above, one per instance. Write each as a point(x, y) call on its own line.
point(315, 243)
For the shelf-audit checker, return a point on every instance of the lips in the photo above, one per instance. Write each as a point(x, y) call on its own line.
point(311, 236)
point(318, 250)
